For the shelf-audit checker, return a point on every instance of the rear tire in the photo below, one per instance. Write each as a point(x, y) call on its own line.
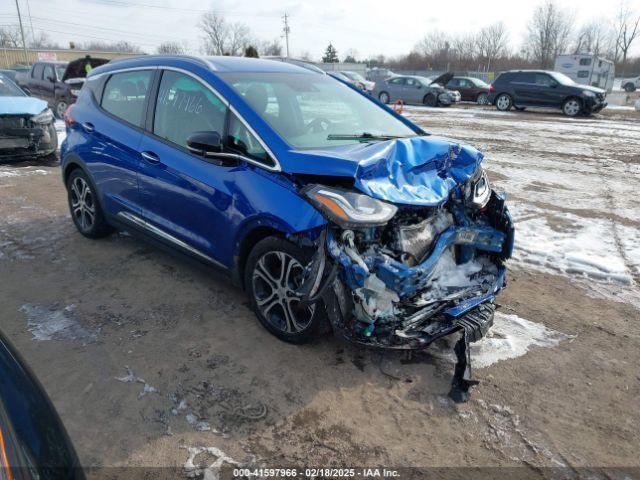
point(384, 97)
point(572, 107)
point(84, 206)
point(430, 100)
point(274, 270)
point(504, 102)
point(482, 98)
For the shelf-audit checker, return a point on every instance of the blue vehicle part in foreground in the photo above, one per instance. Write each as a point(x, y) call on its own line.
point(387, 212)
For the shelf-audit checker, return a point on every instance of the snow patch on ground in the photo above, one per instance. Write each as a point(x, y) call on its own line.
point(53, 324)
point(510, 337)
point(194, 469)
point(7, 172)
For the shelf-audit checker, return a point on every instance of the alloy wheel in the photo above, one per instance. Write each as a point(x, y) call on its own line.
point(61, 107)
point(503, 102)
point(482, 99)
point(82, 204)
point(384, 97)
point(276, 277)
point(572, 107)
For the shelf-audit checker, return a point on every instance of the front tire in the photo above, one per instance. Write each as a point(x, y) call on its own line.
point(430, 100)
point(630, 87)
point(61, 107)
point(572, 107)
point(504, 102)
point(274, 270)
point(384, 97)
point(84, 206)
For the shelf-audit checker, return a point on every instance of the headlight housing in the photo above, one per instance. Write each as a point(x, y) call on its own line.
point(349, 209)
point(478, 190)
point(44, 117)
point(588, 93)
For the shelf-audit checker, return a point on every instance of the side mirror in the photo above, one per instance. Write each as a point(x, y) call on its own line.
point(205, 144)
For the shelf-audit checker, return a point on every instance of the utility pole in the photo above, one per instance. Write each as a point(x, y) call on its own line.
point(24, 44)
point(286, 31)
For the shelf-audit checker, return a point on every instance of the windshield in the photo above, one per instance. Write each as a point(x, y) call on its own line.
point(314, 111)
point(354, 76)
point(9, 89)
point(562, 78)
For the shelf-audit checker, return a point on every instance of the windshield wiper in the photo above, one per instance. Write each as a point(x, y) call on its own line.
point(362, 136)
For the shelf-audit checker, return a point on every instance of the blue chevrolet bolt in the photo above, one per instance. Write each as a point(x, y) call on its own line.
point(319, 201)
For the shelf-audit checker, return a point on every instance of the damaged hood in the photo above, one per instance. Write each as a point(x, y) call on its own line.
point(21, 105)
point(413, 171)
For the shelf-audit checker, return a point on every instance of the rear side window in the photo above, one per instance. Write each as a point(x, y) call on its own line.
point(37, 71)
point(397, 81)
point(125, 93)
point(186, 106)
point(525, 77)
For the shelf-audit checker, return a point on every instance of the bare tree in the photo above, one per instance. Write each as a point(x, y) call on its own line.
point(549, 32)
point(627, 22)
point(10, 37)
point(222, 37)
point(42, 40)
point(171, 48)
point(594, 37)
point(492, 42)
point(122, 46)
point(271, 48)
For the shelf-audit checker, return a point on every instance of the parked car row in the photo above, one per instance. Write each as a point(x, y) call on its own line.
point(414, 89)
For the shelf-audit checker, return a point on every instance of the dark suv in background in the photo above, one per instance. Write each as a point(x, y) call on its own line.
point(539, 88)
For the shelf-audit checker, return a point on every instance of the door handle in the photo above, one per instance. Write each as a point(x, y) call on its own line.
point(88, 127)
point(150, 157)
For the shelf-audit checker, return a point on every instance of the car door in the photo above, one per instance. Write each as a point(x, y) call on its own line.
point(185, 198)
point(396, 88)
point(550, 93)
point(413, 90)
point(48, 83)
point(524, 89)
point(35, 80)
point(113, 132)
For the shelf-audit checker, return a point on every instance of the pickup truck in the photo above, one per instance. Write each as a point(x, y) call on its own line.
point(630, 84)
point(58, 83)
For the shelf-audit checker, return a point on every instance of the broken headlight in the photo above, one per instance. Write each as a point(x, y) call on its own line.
point(349, 209)
point(478, 190)
point(44, 117)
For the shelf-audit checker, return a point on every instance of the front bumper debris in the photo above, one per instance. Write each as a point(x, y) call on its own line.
point(376, 300)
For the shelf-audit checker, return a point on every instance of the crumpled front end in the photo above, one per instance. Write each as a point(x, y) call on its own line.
point(21, 137)
point(420, 256)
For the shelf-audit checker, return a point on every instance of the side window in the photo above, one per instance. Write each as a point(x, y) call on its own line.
point(125, 93)
point(525, 77)
point(583, 73)
point(410, 82)
point(37, 71)
point(48, 72)
point(585, 61)
point(186, 106)
point(397, 81)
point(242, 141)
point(543, 80)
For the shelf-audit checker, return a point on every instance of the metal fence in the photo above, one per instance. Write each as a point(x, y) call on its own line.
point(10, 57)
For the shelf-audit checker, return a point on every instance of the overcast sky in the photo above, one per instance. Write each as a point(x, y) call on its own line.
point(367, 26)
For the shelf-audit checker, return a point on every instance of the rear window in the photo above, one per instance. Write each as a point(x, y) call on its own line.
point(125, 93)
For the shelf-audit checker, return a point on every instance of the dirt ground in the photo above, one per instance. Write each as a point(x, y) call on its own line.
point(213, 377)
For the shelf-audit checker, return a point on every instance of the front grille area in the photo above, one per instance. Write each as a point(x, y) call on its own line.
point(12, 122)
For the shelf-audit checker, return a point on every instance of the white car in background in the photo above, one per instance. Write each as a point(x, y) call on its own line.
point(359, 80)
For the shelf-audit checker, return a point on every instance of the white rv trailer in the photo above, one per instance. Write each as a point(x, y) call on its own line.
point(587, 69)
